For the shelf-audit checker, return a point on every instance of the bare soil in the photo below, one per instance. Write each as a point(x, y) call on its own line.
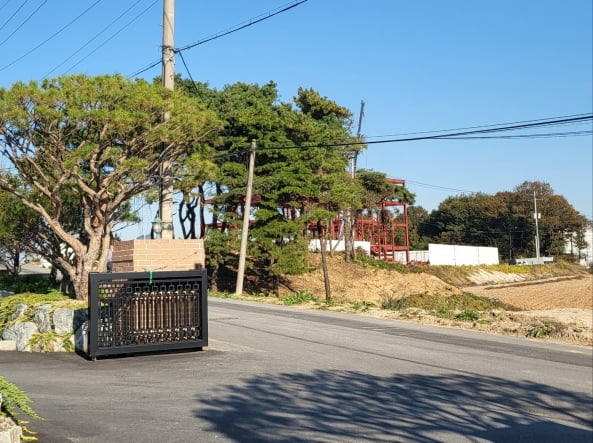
point(554, 308)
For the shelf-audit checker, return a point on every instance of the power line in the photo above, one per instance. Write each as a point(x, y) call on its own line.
point(59, 31)
point(442, 188)
point(92, 39)
point(4, 4)
point(13, 14)
point(480, 126)
point(243, 25)
point(113, 35)
point(23, 23)
point(546, 135)
point(453, 135)
point(190, 76)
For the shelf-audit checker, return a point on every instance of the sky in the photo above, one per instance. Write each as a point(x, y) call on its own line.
point(419, 66)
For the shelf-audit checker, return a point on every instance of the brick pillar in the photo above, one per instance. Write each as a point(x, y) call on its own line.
point(158, 255)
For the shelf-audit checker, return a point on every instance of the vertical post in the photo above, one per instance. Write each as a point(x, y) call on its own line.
point(168, 80)
point(246, 213)
point(536, 215)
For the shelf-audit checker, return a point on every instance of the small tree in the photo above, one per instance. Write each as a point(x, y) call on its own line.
point(83, 147)
point(19, 228)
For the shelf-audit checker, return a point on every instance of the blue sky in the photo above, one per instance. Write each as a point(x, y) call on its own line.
point(419, 66)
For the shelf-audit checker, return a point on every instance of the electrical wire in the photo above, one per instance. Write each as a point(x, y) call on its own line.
point(546, 135)
point(92, 39)
point(244, 25)
point(240, 26)
point(480, 126)
point(23, 23)
point(113, 35)
point(453, 135)
point(441, 188)
point(13, 14)
point(59, 31)
point(4, 5)
point(190, 76)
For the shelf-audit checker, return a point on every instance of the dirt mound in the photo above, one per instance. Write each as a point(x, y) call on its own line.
point(553, 308)
point(355, 283)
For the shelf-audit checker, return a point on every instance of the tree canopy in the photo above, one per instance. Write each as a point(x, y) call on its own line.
point(506, 220)
point(84, 146)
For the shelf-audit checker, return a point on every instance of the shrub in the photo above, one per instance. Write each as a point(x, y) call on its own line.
point(298, 298)
point(468, 315)
point(25, 283)
point(14, 399)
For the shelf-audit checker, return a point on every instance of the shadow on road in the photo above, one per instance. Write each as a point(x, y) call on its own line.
point(341, 406)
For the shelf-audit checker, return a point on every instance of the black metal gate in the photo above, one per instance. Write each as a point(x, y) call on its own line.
point(131, 312)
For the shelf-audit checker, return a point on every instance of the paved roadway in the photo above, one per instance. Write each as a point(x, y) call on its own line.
point(292, 375)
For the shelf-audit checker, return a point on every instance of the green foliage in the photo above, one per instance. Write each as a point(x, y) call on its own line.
point(25, 283)
point(505, 220)
point(391, 302)
point(95, 143)
point(366, 260)
point(443, 306)
point(363, 306)
point(219, 294)
point(468, 315)
point(298, 298)
point(45, 342)
point(8, 305)
point(543, 327)
point(15, 400)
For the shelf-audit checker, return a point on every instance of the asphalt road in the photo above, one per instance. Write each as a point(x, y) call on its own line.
point(291, 375)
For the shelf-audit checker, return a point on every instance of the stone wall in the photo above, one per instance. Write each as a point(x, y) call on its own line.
point(158, 255)
point(45, 330)
point(9, 431)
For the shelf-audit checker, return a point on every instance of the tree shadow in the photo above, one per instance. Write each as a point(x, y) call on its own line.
point(352, 406)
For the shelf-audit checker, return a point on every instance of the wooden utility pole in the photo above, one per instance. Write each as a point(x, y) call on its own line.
point(168, 79)
point(246, 213)
point(536, 216)
point(350, 218)
point(355, 157)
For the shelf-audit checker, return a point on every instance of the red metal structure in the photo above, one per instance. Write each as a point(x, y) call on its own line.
point(387, 230)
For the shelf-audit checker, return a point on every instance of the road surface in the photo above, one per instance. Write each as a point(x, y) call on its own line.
point(281, 374)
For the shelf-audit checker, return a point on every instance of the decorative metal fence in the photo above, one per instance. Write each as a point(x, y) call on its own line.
point(131, 312)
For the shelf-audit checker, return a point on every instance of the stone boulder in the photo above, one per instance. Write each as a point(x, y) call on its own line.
point(21, 333)
point(42, 319)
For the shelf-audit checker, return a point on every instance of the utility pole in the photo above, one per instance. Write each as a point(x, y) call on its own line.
point(246, 213)
point(168, 80)
point(354, 157)
point(536, 216)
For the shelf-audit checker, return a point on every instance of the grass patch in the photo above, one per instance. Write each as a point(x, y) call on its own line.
point(468, 315)
point(298, 298)
point(544, 327)
point(362, 306)
point(367, 261)
point(468, 305)
point(217, 294)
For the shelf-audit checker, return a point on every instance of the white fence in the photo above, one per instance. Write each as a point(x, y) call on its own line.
point(462, 255)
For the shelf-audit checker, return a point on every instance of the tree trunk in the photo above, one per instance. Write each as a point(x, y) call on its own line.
point(213, 286)
point(348, 243)
point(323, 246)
point(94, 259)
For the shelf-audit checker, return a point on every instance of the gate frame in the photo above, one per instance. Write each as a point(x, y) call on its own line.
point(94, 307)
